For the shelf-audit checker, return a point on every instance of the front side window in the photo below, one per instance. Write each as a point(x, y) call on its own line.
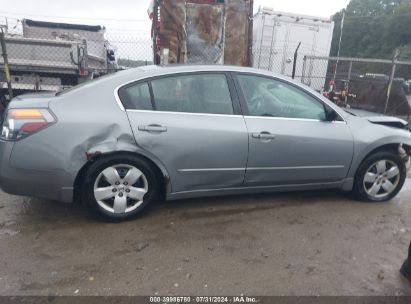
point(273, 98)
point(207, 93)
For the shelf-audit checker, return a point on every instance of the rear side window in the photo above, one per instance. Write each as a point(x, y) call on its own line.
point(199, 93)
point(136, 97)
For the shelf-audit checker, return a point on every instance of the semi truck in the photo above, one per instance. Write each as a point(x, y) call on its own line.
point(277, 35)
point(50, 56)
point(202, 31)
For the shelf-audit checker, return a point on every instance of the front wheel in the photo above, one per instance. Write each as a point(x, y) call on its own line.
point(380, 177)
point(119, 187)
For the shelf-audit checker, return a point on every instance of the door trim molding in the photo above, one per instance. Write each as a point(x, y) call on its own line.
point(210, 170)
point(259, 169)
point(295, 168)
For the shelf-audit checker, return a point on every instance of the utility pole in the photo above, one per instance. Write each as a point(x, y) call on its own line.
point(250, 35)
point(6, 63)
point(339, 46)
point(394, 67)
point(295, 59)
point(155, 32)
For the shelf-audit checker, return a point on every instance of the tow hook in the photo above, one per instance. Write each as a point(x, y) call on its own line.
point(404, 156)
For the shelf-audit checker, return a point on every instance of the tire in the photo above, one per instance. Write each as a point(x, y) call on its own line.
point(373, 183)
point(119, 187)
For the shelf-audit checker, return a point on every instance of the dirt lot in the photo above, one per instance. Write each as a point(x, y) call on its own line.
point(311, 243)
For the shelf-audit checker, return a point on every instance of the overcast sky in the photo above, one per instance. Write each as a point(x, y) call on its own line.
point(128, 19)
point(93, 10)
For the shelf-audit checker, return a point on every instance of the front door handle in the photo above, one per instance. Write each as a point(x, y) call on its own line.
point(153, 128)
point(263, 136)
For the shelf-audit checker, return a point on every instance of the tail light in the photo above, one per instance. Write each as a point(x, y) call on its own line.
point(20, 123)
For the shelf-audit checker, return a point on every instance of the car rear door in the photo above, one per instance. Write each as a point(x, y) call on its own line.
point(193, 125)
point(290, 140)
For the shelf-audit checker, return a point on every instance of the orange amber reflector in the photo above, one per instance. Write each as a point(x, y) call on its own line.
point(25, 114)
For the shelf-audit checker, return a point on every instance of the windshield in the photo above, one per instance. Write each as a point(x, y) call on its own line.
point(347, 110)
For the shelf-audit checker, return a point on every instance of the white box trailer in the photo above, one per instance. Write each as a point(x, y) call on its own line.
point(277, 35)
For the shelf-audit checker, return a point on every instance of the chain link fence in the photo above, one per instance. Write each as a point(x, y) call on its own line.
point(381, 86)
point(49, 56)
point(45, 56)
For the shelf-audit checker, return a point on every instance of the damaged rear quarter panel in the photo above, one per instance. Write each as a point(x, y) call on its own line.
point(89, 121)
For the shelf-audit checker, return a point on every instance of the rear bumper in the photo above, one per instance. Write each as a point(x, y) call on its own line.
point(35, 183)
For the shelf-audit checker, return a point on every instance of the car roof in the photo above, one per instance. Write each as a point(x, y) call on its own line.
point(173, 68)
point(161, 70)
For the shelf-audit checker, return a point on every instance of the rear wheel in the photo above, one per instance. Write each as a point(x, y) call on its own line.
point(380, 177)
point(119, 187)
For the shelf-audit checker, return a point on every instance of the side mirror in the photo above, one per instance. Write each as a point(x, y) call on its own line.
point(330, 114)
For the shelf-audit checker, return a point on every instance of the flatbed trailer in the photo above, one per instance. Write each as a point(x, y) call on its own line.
point(54, 56)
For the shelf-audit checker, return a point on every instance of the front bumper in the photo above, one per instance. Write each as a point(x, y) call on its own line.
point(34, 183)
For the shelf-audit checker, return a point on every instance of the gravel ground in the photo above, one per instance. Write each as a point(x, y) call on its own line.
point(309, 243)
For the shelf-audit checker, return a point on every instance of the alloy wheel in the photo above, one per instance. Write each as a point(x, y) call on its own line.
point(381, 179)
point(120, 189)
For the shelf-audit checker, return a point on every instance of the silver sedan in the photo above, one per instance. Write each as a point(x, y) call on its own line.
point(124, 141)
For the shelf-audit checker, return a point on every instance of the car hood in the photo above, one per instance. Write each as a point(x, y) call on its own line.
point(380, 119)
point(34, 100)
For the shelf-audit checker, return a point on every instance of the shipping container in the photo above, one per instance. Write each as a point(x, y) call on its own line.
point(277, 36)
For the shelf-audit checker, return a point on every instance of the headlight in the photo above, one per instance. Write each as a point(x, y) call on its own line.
point(20, 123)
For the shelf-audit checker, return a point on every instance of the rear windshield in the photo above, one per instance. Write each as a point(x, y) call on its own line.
point(92, 82)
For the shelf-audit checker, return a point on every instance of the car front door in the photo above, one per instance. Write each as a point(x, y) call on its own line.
point(290, 140)
point(192, 123)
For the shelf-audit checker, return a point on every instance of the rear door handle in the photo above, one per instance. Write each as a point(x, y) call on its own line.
point(263, 136)
point(153, 128)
